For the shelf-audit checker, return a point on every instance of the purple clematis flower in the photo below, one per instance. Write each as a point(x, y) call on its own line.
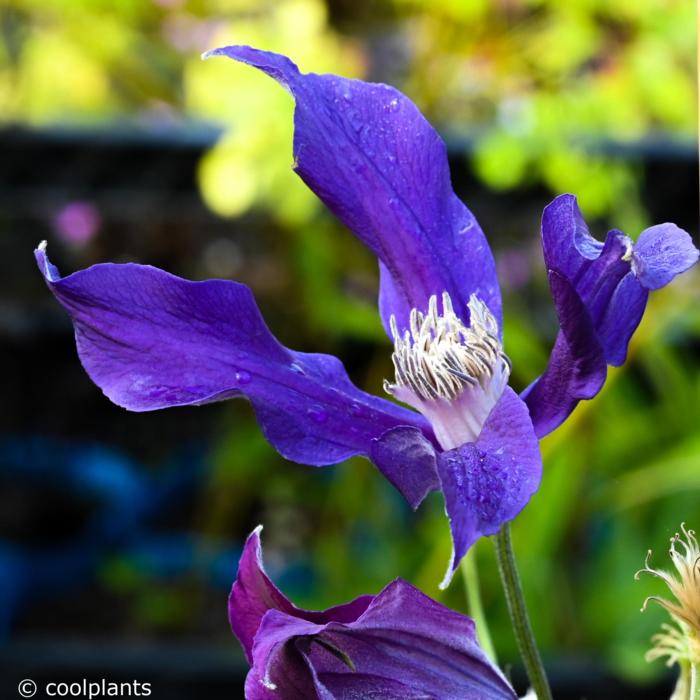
point(600, 291)
point(151, 340)
point(398, 644)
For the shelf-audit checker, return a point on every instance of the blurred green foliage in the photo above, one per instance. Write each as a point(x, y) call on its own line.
point(547, 81)
point(539, 86)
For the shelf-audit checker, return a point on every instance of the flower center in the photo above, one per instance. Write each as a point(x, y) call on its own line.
point(453, 374)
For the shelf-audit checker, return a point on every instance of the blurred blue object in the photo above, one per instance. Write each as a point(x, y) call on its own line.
point(169, 555)
point(123, 499)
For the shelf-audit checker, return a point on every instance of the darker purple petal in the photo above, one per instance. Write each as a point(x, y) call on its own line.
point(398, 644)
point(253, 595)
point(577, 367)
point(487, 483)
point(368, 687)
point(277, 663)
point(661, 253)
point(405, 637)
point(370, 155)
point(151, 340)
point(407, 459)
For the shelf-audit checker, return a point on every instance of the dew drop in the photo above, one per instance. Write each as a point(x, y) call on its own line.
point(297, 368)
point(357, 164)
point(393, 105)
point(243, 377)
point(357, 410)
point(468, 226)
point(318, 414)
point(356, 120)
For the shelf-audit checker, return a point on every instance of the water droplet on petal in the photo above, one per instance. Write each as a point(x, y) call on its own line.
point(356, 120)
point(243, 377)
point(468, 226)
point(393, 105)
point(357, 410)
point(357, 164)
point(318, 414)
point(297, 368)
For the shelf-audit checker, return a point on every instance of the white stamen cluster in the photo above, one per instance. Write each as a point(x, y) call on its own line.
point(438, 357)
point(685, 555)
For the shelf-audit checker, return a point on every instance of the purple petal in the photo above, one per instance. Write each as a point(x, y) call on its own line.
point(566, 241)
point(397, 640)
point(623, 315)
point(612, 278)
point(405, 637)
point(151, 340)
point(598, 279)
point(661, 253)
point(255, 690)
point(407, 459)
point(368, 687)
point(593, 269)
point(577, 366)
point(369, 154)
point(253, 595)
point(278, 669)
point(489, 482)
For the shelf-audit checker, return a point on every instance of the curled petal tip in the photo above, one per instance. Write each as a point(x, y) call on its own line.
point(212, 52)
point(449, 574)
point(41, 247)
point(445, 583)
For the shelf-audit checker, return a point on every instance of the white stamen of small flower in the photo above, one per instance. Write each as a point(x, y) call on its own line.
point(685, 555)
point(671, 643)
point(452, 373)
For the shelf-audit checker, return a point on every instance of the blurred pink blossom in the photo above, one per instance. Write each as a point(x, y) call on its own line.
point(77, 222)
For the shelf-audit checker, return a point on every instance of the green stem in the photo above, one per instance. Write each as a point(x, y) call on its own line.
point(694, 682)
point(518, 614)
point(470, 574)
point(682, 689)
